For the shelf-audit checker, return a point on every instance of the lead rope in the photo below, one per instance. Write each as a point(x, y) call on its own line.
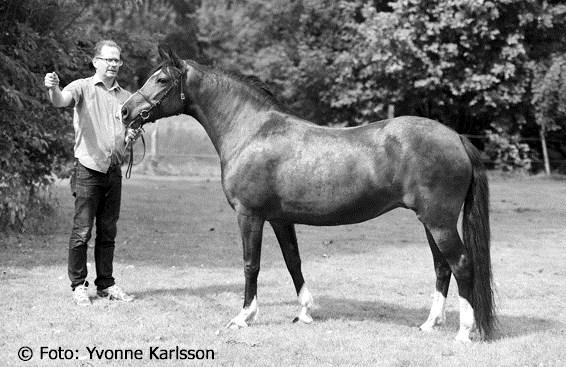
point(130, 146)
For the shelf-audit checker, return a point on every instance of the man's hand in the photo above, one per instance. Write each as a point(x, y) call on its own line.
point(132, 135)
point(56, 96)
point(51, 80)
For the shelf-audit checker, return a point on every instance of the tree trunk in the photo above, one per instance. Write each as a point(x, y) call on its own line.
point(544, 150)
point(390, 111)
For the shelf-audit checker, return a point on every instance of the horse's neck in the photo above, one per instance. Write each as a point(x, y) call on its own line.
point(230, 118)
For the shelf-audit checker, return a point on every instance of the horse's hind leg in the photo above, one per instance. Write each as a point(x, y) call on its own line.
point(287, 238)
point(251, 229)
point(437, 315)
point(450, 245)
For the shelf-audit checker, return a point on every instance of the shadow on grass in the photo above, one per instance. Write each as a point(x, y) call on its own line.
point(204, 292)
point(330, 308)
point(349, 309)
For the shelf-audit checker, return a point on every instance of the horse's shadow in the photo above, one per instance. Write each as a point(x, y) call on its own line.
point(207, 292)
point(329, 308)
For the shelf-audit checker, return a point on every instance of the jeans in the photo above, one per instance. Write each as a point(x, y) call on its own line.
point(97, 196)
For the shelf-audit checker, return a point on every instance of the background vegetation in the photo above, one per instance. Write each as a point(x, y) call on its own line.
point(495, 69)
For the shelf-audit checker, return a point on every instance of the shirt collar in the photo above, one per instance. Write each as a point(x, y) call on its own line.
point(97, 80)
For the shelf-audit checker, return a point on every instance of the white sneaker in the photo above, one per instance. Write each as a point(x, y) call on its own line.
point(80, 295)
point(115, 293)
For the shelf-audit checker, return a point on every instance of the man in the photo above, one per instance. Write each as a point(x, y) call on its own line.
point(96, 181)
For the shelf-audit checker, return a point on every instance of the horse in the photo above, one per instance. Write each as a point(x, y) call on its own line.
point(279, 168)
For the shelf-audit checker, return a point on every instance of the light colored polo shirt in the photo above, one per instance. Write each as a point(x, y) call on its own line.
point(99, 133)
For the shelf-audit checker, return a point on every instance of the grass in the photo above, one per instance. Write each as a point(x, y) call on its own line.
point(178, 251)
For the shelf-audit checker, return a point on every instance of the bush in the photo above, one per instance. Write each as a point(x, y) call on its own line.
point(507, 152)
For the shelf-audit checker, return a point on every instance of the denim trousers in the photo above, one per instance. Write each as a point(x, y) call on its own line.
point(97, 196)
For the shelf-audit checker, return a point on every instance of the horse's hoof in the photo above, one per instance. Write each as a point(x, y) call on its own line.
point(235, 324)
point(432, 324)
point(303, 317)
point(429, 327)
point(304, 320)
point(463, 338)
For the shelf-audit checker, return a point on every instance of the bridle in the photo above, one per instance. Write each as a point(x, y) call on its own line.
point(145, 114)
point(144, 117)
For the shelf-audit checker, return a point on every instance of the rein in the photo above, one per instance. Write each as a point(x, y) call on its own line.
point(144, 118)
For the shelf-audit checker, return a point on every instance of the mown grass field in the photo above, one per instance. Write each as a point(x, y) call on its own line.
point(178, 251)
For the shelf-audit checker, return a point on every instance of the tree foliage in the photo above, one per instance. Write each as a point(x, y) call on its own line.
point(34, 139)
point(549, 95)
point(466, 63)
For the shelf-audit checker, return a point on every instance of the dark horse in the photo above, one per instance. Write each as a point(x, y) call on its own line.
point(279, 168)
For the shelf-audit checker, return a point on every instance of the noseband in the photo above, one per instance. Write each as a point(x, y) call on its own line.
point(144, 116)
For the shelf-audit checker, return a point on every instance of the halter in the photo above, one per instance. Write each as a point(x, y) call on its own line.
point(144, 116)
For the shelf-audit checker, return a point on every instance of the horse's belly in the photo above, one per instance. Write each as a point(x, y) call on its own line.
point(335, 211)
point(320, 182)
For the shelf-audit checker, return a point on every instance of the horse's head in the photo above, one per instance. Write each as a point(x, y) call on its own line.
point(162, 94)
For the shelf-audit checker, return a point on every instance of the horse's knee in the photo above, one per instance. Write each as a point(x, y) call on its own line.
point(443, 272)
point(251, 271)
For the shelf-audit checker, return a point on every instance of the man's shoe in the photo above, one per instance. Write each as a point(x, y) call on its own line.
point(80, 295)
point(114, 293)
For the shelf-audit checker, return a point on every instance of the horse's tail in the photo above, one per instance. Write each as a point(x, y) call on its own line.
point(476, 233)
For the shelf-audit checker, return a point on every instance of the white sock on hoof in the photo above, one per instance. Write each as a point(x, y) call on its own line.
point(246, 315)
point(466, 321)
point(306, 301)
point(437, 315)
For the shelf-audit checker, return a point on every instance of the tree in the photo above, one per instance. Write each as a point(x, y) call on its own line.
point(35, 141)
point(549, 100)
point(466, 63)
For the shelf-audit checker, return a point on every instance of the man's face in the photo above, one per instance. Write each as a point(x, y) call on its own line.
point(107, 63)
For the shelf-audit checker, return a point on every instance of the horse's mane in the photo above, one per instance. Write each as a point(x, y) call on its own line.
point(252, 83)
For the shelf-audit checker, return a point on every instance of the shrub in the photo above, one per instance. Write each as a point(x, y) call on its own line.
point(507, 152)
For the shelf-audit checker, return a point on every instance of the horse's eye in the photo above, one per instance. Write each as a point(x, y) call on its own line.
point(162, 80)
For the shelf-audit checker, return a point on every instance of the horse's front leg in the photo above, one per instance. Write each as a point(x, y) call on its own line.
point(251, 228)
point(287, 238)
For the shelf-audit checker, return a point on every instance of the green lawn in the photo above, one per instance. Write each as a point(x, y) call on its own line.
point(178, 251)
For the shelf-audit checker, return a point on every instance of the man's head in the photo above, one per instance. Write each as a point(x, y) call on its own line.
point(107, 59)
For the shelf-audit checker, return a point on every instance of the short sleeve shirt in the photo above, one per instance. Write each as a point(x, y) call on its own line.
point(99, 133)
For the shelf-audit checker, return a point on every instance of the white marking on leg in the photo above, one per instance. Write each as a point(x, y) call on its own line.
point(246, 315)
point(306, 301)
point(466, 321)
point(437, 315)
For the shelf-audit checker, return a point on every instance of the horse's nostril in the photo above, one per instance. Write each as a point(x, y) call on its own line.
point(124, 112)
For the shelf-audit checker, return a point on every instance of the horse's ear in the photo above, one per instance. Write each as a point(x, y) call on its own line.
point(164, 52)
point(167, 54)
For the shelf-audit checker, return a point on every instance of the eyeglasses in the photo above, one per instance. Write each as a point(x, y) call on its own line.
point(117, 62)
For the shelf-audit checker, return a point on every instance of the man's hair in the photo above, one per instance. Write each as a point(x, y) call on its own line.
point(100, 44)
